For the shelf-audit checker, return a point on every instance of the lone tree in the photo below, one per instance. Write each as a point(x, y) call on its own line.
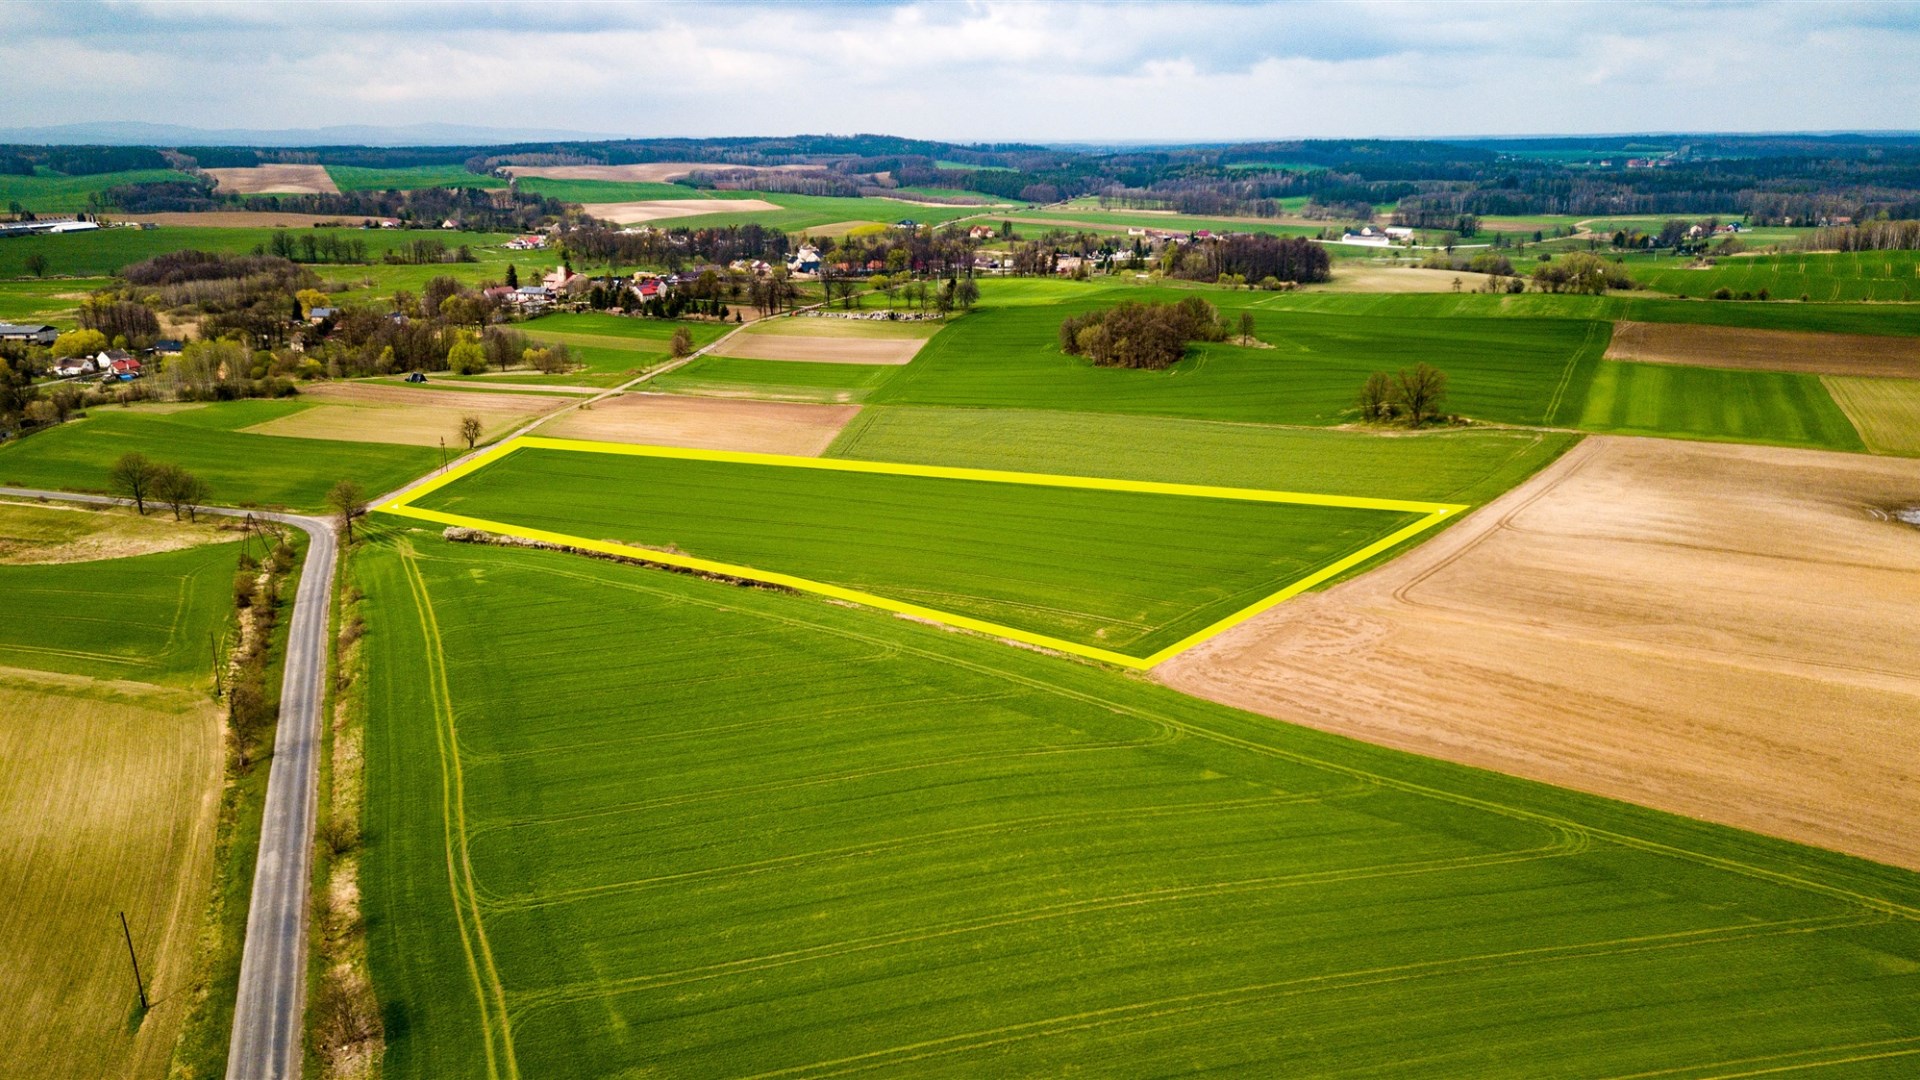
point(1376, 397)
point(132, 477)
point(1420, 392)
point(180, 490)
point(1246, 328)
point(347, 503)
point(37, 265)
point(470, 429)
point(682, 342)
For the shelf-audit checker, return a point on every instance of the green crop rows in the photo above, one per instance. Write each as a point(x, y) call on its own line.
point(1127, 571)
point(683, 829)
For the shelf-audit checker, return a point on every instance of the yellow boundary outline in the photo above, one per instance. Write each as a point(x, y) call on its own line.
point(1434, 513)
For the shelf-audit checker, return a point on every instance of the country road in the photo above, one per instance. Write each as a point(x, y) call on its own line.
point(269, 1013)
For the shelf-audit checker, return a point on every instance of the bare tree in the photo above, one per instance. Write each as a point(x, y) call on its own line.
point(347, 503)
point(1246, 328)
point(180, 490)
point(132, 477)
point(471, 430)
point(682, 343)
point(1421, 391)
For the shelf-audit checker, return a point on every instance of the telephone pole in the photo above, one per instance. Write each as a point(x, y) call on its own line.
point(137, 983)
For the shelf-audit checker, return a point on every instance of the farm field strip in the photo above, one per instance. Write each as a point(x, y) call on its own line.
point(727, 832)
point(1886, 412)
point(1323, 566)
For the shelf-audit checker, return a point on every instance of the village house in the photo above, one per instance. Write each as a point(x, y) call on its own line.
point(75, 366)
point(805, 261)
point(980, 232)
point(531, 242)
point(558, 279)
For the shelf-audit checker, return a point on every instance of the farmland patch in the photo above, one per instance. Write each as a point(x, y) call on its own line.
point(1701, 628)
point(1054, 561)
point(644, 210)
point(1765, 350)
point(1885, 411)
point(274, 179)
point(768, 427)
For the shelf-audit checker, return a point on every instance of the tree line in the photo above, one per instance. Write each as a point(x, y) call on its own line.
point(1150, 336)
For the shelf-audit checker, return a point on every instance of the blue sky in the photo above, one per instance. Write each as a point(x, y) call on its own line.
point(971, 71)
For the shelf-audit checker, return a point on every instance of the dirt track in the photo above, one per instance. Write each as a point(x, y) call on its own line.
point(1766, 350)
point(767, 427)
point(1724, 632)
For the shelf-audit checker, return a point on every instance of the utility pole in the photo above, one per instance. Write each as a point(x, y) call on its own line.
point(137, 983)
point(443, 453)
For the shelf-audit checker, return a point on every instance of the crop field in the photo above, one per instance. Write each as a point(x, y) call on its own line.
point(241, 469)
point(1886, 412)
point(624, 820)
point(1450, 467)
point(1777, 407)
point(52, 193)
point(1765, 350)
point(611, 348)
point(406, 415)
point(107, 800)
point(843, 341)
point(775, 380)
point(411, 178)
point(1048, 560)
point(1502, 369)
point(712, 423)
point(1820, 276)
point(91, 254)
point(799, 213)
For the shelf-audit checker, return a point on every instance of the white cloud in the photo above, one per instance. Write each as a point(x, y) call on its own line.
point(1000, 71)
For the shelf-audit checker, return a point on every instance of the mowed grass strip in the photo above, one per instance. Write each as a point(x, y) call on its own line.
point(1781, 408)
point(709, 831)
point(1885, 411)
point(1126, 571)
point(242, 469)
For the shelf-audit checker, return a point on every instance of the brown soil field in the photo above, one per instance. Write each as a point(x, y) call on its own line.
point(653, 172)
point(1395, 279)
point(836, 350)
point(361, 412)
point(633, 213)
point(277, 179)
point(244, 219)
point(766, 427)
point(1766, 350)
point(1719, 631)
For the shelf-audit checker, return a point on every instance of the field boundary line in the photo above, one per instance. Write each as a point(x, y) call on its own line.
point(1433, 514)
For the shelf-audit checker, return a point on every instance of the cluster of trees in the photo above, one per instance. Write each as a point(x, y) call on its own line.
point(249, 297)
point(1150, 336)
point(674, 249)
point(1869, 236)
point(78, 160)
point(902, 290)
point(1253, 257)
point(1412, 397)
point(142, 480)
point(1581, 272)
point(322, 246)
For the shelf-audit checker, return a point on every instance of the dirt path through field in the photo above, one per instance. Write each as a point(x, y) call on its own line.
point(1720, 631)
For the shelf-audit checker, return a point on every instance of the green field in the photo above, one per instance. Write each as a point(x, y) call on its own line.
point(631, 823)
point(1007, 356)
point(801, 212)
point(91, 254)
point(613, 348)
point(51, 193)
point(412, 178)
point(776, 380)
point(1040, 219)
point(1820, 276)
point(1070, 563)
point(243, 469)
point(112, 756)
point(54, 302)
point(1709, 403)
point(1452, 466)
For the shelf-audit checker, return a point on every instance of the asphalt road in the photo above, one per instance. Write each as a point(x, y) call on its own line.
point(268, 1016)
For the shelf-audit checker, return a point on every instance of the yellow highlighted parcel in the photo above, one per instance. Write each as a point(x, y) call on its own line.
point(1434, 513)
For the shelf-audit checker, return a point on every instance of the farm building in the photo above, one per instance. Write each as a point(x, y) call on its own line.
point(36, 334)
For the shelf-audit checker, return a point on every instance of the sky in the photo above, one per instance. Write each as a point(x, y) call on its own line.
point(966, 72)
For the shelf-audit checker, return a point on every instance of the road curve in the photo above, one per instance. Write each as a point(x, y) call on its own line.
point(269, 1014)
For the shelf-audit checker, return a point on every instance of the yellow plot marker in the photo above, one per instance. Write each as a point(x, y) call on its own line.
point(1434, 513)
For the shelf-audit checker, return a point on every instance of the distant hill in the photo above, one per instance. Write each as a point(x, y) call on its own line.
point(133, 133)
